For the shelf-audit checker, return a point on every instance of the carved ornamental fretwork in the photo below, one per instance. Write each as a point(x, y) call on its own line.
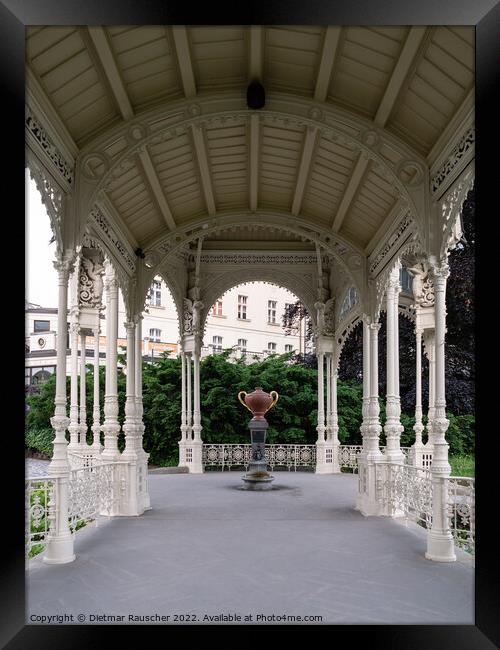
point(465, 144)
point(51, 194)
point(191, 317)
point(393, 244)
point(422, 285)
point(50, 150)
point(111, 237)
point(451, 208)
point(251, 258)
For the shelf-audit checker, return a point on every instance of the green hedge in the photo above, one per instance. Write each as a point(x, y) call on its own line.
point(292, 420)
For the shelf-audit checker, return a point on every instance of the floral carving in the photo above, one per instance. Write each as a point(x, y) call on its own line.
point(458, 152)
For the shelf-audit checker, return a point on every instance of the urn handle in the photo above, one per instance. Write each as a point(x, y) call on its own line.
point(275, 399)
point(243, 392)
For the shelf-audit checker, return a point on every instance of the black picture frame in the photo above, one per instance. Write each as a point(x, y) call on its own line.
point(485, 15)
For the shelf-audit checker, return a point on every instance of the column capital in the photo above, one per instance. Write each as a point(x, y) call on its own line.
point(129, 324)
point(439, 271)
point(375, 326)
point(64, 266)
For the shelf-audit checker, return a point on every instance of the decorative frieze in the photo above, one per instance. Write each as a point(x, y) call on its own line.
point(90, 283)
point(457, 154)
point(393, 243)
point(34, 127)
point(104, 227)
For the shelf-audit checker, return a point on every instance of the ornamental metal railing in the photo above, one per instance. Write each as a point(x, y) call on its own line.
point(233, 455)
point(39, 512)
point(94, 490)
point(292, 457)
point(405, 490)
point(461, 509)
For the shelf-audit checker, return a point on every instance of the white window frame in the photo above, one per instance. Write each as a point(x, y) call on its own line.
point(242, 307)
point(155, 335)
point(271, 311)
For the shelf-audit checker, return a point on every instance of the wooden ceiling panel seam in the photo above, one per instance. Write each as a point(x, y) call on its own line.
point(182, 51)
point(153, 184)
point(362, 164)
point(101, 52)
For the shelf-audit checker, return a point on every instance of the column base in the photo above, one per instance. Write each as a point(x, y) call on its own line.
point(194, 461)
point(367, 507)
point(440, 547)
point(59, 550)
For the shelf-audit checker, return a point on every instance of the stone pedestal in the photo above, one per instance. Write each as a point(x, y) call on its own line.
point(257, 476)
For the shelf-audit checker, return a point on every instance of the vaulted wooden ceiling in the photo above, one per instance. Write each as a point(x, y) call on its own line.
point(410, 81)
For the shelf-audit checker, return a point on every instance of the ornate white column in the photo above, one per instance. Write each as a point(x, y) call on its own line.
point(73, 409)
point(111, 426)
point(418, 427)
point(440, 545)
point(83, 392)
point(366, 381)
point(59, 549)
point(328, 418)
point(430, 345)
point(335, 420)
point(143, 456)
point(197, 444)
point(393, 427)
point(371, 459)
point(189, 421)
point(130, 454)
point(96, 411)
point(183, 440)
point(321, 467)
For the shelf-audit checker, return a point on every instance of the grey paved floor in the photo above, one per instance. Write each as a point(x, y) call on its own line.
point(207, 547)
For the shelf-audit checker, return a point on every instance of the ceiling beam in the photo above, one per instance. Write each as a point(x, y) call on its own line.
point(256, 53)
point(181, 42)
point(350, 191)
point(204, 167)
point(394, 214)
point(304, 167)
point(254, 161)
point(402, 68)
point(108, 63)
point(154, 184)
point(330, 45)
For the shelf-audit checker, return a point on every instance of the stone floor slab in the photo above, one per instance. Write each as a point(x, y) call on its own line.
point(209, 548)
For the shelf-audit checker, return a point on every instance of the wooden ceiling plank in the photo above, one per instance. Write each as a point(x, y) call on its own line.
point(330, 45)
point(204, 167)
point(154, 183)
point(304, 168)
point(393, 214)
point(108, 63)
point(350, 191)
point(254, 161)
point(403, 66)
point(256, 53)
point(105, 203)
point(181, 43)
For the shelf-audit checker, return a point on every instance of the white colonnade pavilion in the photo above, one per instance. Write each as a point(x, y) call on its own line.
point(151, 162)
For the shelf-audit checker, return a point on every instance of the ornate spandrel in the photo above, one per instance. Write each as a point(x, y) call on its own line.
point(90, 280)
point(423, 286)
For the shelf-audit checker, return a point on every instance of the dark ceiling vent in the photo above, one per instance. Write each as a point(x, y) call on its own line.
point(256, 95)
point(139, 253)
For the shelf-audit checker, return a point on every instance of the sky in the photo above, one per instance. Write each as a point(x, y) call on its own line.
point(41, 277)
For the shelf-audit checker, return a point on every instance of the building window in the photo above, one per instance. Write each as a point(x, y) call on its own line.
point(42, 326)
point(242, 344)
point(242, 307)
point(155, 335)
point(217, 308)
point(271, 347)
point(155, 294)
point(38, 376)
point(217, 343)
point(288, 347)
point(405, 280)
point(350, 300)
point(271, 311)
